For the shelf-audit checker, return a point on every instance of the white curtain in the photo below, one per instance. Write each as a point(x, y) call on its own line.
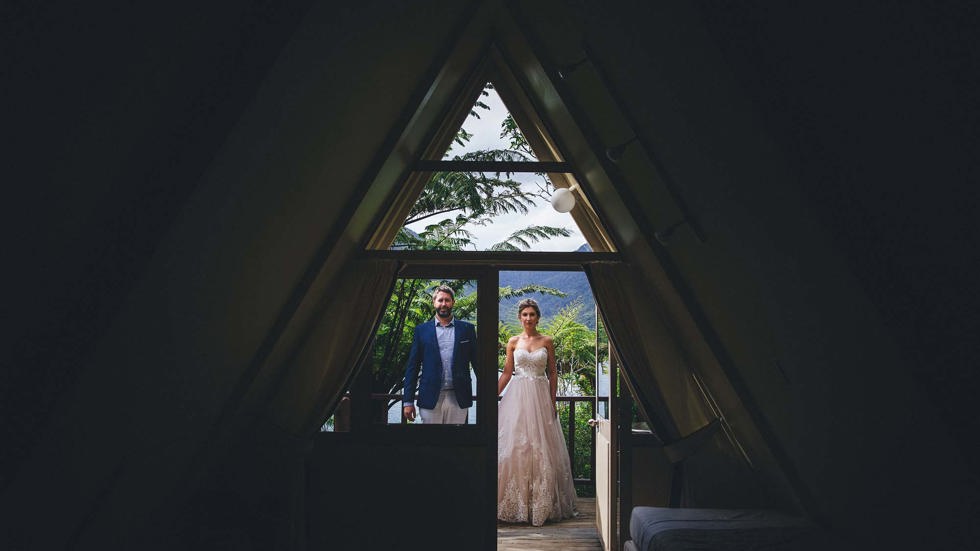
point(339, 339)
point(655, 363)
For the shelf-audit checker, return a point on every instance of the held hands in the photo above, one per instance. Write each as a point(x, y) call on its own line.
point(409, 412)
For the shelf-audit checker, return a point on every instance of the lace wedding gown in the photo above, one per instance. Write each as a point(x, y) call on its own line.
point(534, 476)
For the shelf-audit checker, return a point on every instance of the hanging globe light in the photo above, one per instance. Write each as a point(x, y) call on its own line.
point(563, 199)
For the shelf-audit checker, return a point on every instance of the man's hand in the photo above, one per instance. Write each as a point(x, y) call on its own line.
point(408, 412)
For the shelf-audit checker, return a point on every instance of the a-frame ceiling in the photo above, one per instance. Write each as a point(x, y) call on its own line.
point(207, 171)
point(622, 204)
point(494, 68)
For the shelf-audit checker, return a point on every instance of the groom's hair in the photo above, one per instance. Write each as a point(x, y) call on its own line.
point(444, 289)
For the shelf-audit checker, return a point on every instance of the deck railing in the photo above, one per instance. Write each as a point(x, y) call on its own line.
point(583, 476)
point(571, 428)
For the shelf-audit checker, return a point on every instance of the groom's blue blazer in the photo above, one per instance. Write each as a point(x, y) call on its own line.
point(424, 365)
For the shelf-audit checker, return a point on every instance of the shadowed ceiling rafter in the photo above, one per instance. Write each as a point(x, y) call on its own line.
point(458, 86)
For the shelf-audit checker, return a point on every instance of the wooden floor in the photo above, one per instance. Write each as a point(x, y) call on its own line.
point(577, 534)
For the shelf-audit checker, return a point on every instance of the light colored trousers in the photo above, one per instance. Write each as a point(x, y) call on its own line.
point(446, 412)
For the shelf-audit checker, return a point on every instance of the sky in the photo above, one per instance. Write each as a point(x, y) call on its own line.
point(486, 135)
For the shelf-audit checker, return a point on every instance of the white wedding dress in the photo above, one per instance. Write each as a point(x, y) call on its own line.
point(534, 476)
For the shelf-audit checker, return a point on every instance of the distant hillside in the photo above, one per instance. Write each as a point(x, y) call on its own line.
point(574, 284)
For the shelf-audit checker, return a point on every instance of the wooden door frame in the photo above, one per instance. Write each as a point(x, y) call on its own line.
point(612, 425)
point(485, 434)
point(485, 267)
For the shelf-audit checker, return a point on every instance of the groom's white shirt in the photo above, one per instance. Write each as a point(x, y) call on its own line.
point(446, 336)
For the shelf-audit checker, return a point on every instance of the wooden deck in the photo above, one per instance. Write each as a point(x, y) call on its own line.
point(578, 534)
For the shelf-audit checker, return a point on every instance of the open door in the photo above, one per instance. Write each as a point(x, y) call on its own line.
point(605, 423)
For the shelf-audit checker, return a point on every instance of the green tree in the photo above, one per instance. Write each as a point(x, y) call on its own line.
point(455, 202)
point(582, 450)
point(410, 305)
point(476, 198)
point(575, 349)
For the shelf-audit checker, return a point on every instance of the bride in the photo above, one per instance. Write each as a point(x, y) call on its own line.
point(534, 475)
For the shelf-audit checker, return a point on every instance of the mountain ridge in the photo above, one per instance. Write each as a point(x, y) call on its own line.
point(573, 283)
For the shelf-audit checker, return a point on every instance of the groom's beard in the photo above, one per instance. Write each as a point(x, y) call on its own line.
point(444, 313)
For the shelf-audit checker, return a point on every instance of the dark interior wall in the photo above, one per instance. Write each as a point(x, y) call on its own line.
point(877, 108)
point(381, 496)
point(828, 363)
point(651, 477)
point(114, 119)
point(875, 111)
point(111, 113)
point(178, 200)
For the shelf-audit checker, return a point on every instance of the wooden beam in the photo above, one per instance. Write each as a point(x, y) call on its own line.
point(493, 166)
point(499, 259)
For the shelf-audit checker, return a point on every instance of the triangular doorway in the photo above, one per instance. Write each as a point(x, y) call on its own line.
point(573, 147)
point(490, 179)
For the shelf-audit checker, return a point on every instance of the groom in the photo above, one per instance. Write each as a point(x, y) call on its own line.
point(443, 348)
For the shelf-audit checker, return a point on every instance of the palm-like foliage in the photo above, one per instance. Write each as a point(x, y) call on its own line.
point(476, 198)
point(448, 235)
point(476, 193)
point(509, 130)
point(506, 293)
point(507, 328)
point(574, 348)
point(410, 305)
point(523, 238)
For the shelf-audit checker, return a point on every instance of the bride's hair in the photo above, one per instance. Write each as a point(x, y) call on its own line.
point(528, 303)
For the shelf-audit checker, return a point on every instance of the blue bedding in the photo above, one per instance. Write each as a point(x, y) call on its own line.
point(669, 529)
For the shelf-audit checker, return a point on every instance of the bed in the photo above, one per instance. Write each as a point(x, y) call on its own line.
point(671, 529)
